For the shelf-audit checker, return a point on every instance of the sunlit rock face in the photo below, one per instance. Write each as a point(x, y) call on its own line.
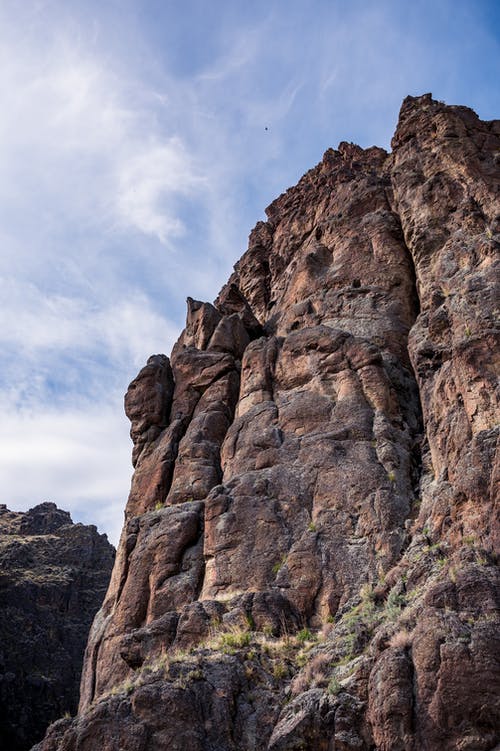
point(308, 560)
point(53, 578)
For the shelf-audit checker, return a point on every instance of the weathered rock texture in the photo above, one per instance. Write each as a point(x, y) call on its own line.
point(53, 578)
point(308, 555)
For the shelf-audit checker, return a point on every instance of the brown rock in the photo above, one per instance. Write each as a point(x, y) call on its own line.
point(148, 401)
point(325, 466)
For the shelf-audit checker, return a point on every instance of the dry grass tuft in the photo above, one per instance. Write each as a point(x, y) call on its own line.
point(315, 673)
point(401, 639)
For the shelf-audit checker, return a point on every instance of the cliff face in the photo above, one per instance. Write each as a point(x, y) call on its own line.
point(308, 555)
point(53, 578)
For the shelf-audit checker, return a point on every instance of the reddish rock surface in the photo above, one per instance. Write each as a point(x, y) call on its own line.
point(308, 559)
point(53, 578)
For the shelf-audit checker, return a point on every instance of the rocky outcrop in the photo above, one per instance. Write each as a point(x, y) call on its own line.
point(308, 559)
point(53, 577)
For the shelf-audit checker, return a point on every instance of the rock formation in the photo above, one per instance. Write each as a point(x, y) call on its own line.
point(308, 555)
point(53, 578)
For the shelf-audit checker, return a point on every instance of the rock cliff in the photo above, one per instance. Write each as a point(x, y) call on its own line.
point(308, 559)
point(53, 578)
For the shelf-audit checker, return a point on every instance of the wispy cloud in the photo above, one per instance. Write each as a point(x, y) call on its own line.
point(134, 160)
point(145, 183)
point(39, 446)
point(81, 139)
point(37, 323)
point(86, 171)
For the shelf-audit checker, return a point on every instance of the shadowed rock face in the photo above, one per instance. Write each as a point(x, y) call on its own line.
point(308, 555)
point(53, 577)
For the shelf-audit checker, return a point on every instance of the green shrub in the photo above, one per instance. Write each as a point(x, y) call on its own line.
point(235, 639)
point(280, 670)
point(334, 686)
point(279, 564)
point(395, 603)
point(304, 635)
point(250, 622)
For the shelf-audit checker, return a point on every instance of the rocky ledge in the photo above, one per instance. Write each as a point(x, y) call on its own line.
point(308, 559)
point(53, 578)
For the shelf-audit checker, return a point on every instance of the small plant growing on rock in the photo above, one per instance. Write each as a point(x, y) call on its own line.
point(250, 622)
point(401, 639)
point(235, 639)
point(334, 686)
point(315, 672)
point(304, 635)
point(301, 659)
point(195, 675)
point(367, 594)
point(280, 670)
point(395, 602)
point(123, 688)
point(279, 564)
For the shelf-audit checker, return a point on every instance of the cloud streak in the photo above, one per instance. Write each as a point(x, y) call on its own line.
point(91, 482)
point(134, 160)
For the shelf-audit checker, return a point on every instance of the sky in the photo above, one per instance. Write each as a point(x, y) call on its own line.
point(140, 141)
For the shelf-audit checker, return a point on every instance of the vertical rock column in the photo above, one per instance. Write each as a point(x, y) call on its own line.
point(180, 410)
point(446, 181)
point(431, 689)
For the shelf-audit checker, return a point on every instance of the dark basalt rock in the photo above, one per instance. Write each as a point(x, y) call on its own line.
point(53, 577)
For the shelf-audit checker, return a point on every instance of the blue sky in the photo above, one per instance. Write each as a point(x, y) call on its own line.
point(134, 161)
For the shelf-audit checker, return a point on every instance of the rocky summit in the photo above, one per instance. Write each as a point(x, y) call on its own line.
point(308, 557)
point(53, 578)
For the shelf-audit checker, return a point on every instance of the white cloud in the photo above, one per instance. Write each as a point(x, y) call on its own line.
point(85, 171)
point(131, 171)
point(34, 322)
point(83, 141)
point(144, 182)
point(77, 458)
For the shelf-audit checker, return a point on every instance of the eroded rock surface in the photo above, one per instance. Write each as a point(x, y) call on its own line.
point(308, 559)
point(53, 578)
